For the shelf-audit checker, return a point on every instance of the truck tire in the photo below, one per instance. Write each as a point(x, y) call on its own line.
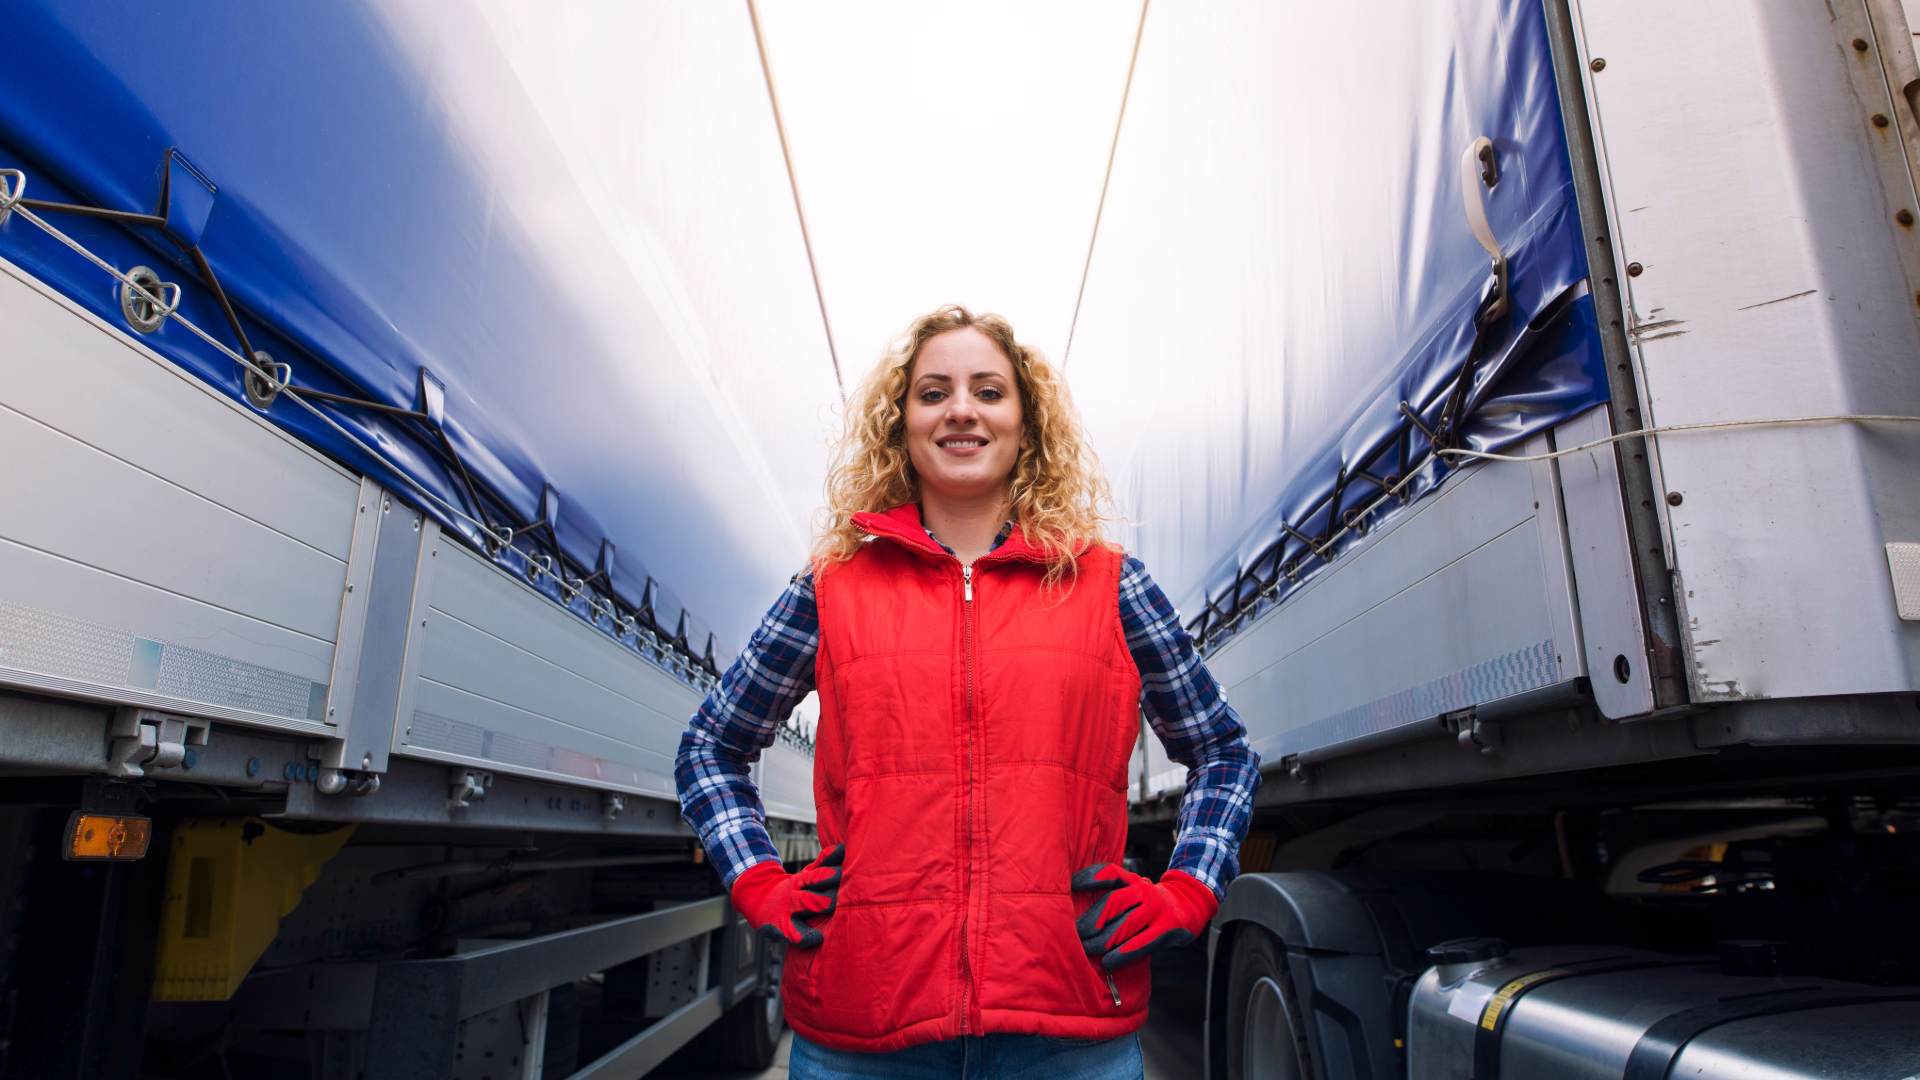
point(1266, 1031)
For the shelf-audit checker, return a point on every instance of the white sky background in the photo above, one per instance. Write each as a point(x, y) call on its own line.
point(945, 153)
point(949, 154)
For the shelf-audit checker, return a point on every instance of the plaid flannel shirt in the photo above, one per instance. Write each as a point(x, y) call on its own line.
point(1182, 702)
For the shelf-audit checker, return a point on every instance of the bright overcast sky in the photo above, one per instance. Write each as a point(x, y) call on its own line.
point(944, 154)
point(949, 154)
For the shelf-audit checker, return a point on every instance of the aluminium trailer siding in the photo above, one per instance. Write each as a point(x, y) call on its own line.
point(166, 549)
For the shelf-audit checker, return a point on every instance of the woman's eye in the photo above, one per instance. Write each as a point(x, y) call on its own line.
point(990, 393)
point(928, 397)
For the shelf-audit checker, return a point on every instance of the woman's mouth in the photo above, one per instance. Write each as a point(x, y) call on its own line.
point(962, 445)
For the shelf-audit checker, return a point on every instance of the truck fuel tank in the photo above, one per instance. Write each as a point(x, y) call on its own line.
point(1590, 1011)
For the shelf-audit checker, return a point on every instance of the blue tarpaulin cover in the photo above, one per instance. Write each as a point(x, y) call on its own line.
point(1284, 258)
point(325, 158)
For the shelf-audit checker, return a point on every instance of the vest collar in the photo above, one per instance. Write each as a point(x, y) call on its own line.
point(902, 526)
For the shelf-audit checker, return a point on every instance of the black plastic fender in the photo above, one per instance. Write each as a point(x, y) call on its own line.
point(1339, 962)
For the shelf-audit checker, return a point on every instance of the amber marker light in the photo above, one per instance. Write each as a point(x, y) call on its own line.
point(117, 837)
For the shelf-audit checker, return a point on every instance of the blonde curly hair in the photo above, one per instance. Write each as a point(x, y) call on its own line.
point(1058, 495)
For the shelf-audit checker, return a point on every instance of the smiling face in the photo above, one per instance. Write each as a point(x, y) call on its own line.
point(963, 417)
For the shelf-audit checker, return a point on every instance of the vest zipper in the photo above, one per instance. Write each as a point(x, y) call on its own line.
point(966, 961)
point(1115, 987)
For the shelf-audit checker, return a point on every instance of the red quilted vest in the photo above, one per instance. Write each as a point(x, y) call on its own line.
point(972, 754)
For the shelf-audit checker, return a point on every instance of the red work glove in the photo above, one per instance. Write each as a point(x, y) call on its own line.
point(769, 896)
point(1138, 918)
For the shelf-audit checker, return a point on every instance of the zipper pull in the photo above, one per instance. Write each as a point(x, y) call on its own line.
point(966, 574)
point(1115, 987)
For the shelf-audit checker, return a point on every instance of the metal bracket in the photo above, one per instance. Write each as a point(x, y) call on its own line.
point(142, 738)
point(1486, 736)
point(466, 785)
point(382, 635)
point(347, 782)
point(1473, 732)
point(612, 805)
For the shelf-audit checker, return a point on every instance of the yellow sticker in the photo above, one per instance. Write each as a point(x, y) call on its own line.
point(1497, 1004)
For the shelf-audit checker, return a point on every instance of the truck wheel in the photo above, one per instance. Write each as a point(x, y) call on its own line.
point(747, 1035)
point(1266, 1032)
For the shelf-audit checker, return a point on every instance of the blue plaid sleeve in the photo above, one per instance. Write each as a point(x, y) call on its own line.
point(737, 721)
point(1190, 714)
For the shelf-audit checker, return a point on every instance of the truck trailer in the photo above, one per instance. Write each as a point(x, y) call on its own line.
point(1565, 501)
point(1519, 398)
point(338, 697)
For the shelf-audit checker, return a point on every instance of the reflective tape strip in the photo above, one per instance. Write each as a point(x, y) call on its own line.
point(1497, 1004)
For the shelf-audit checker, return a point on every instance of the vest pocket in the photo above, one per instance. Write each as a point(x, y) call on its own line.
point(883, 968)
point(796, 974)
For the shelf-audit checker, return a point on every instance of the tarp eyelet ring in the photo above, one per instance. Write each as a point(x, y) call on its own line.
point(264, 379)
point(146, 301)
point(11, 195)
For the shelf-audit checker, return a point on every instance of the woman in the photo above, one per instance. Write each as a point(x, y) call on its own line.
point(982, 661)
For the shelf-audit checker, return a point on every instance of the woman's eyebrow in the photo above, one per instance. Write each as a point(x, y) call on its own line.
point(934, 377)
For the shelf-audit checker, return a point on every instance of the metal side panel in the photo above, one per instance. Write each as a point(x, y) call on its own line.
point(1461, 602)
point(509, 681)
point(100, 386)
point(164, 548)
point(1601, 550)
point(1159, 774)
point(785, 779)
point(1758, 214)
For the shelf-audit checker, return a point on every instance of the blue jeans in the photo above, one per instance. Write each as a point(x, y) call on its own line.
point(974, 1057)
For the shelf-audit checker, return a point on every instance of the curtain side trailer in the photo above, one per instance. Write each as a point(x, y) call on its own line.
point(404, 810)
point(1607, 762)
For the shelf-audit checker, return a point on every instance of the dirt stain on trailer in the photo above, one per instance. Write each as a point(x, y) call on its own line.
point(1705, 687)
point(1641, 333)
point(1782, 300)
